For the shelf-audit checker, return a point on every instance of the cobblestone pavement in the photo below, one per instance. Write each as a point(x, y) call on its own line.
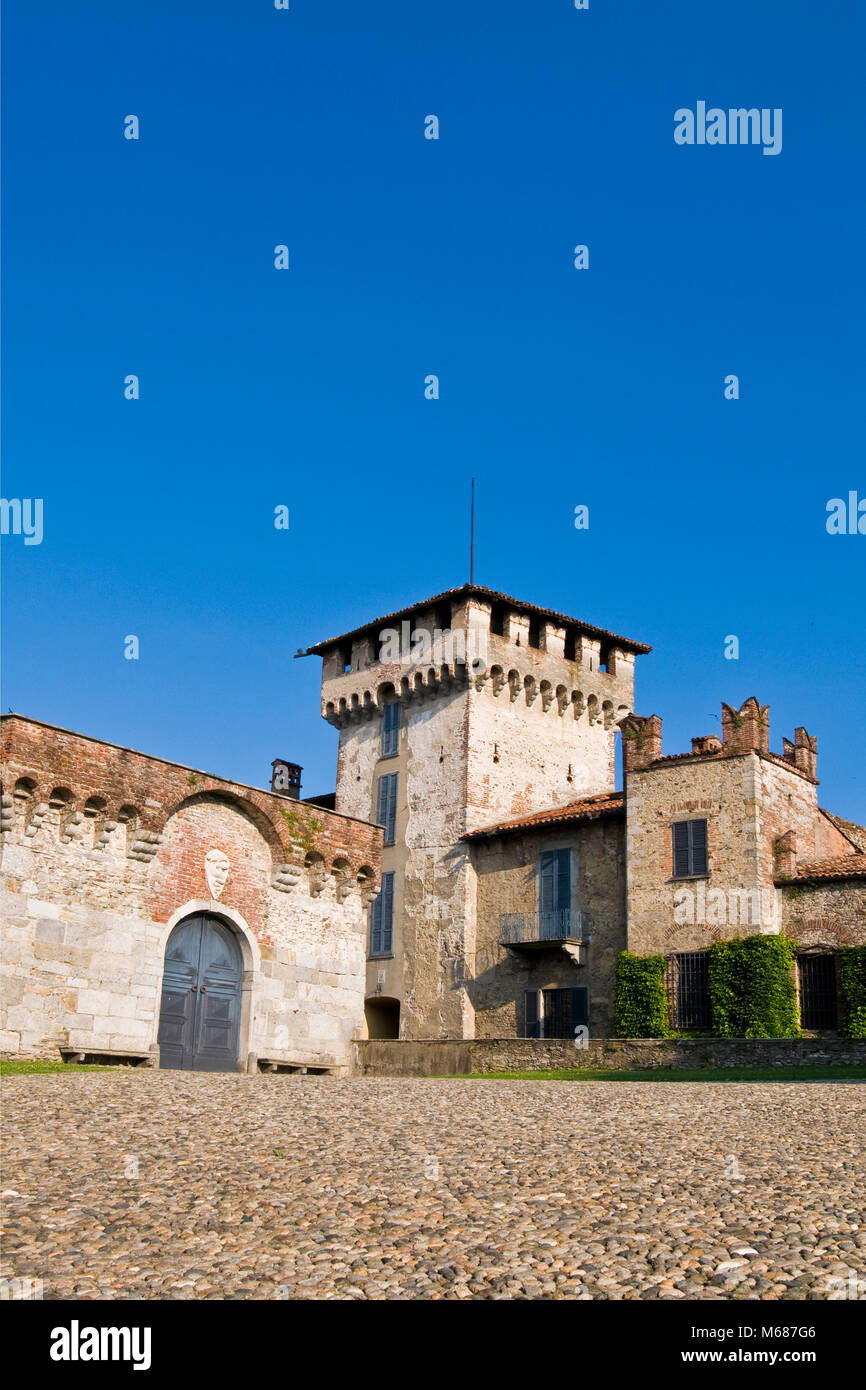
point(142, 1184)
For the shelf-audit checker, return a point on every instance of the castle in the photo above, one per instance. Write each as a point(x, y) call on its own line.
point(476, 873)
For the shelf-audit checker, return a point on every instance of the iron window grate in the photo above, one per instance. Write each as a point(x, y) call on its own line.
point(691, 989)
point(818, 1008)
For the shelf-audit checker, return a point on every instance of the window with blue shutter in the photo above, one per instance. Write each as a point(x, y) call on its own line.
point(386, 806)
point(382, 919)
point(554, 893)
point(689, 848)
point(391, 729)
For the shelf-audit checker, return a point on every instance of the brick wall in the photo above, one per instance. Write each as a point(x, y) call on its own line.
point(103, 848)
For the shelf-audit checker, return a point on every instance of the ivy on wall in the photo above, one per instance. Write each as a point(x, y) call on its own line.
point(641, 1001)
point(852, 1023)
point(752, 989)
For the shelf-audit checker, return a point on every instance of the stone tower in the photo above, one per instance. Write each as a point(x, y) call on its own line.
point(473, 707)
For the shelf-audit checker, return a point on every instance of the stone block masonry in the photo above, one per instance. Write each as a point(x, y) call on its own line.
point(104, 850)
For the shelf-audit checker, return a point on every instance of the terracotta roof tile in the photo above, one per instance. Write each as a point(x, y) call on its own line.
point(586, 808)
point(625, 643)
point(844, 866)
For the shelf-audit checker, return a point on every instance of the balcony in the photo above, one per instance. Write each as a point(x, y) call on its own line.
point(528, 931)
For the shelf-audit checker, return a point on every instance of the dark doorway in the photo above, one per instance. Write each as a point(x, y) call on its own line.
point(199, 1019)
point(383, 1017)
point(818, 991)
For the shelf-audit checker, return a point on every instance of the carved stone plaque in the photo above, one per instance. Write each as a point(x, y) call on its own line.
point(216, 871)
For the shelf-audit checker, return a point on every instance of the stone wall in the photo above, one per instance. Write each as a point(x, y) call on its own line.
point(464, 1058)
point(526, 729)
point(724, 792)
point(825, 914)
point(103, 852)
point(507, 882)
point(762, 814)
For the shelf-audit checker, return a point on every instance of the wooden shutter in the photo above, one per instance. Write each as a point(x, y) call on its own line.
point(391, 729)
point(386, 805)
point(376, 925)
point(681, 848)
point(546, 881)
point(699, 846)
point(579, 1007)
point(563, 880)
point(530, 1013)
point(391, 818)
point(387, 917)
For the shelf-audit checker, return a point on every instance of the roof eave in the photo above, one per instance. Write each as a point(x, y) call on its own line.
point(626, 643)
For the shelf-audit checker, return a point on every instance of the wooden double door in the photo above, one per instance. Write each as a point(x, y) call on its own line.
point(200, 1014)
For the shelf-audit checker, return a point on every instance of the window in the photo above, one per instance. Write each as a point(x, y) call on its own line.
point(391, 729)
point(554, 893)
point(690, 848)
point(386, 810)
point(382, 919)
point(555, 1013)
point(818, 991)
point(690, 985)
point(534, 632)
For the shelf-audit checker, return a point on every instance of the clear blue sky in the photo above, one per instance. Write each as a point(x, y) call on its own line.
point(409, 257)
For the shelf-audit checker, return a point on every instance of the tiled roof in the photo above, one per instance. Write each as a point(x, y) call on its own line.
point(845, 866)
point(849, 828)
point(587, 808)
point(465, 590)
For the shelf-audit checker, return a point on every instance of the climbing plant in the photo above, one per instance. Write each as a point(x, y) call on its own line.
point(853, 1021)
point(641, 1000)
point(752, 990)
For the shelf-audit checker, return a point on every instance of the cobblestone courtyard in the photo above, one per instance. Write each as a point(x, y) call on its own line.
point(141, 1184)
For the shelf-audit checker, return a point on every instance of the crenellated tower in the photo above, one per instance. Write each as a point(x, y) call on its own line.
point(453, 713)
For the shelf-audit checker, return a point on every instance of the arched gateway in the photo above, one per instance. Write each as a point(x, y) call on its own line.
point(199, 1020)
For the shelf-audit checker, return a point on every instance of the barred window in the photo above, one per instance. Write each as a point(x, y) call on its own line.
point(554, 1013)
point(689, 983)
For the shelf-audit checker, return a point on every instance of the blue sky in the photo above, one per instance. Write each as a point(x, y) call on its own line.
point(409, 257)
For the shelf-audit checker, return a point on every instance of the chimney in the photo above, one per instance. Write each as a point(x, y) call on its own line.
point(802, 753)
point(785, 851)
point(641, 741)
point(746, 730)
point(707, 743)
point(286, 778)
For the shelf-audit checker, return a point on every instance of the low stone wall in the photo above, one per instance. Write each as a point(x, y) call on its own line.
point(456, 1057)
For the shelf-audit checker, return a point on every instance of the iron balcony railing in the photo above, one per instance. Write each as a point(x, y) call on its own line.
point(527, 928)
